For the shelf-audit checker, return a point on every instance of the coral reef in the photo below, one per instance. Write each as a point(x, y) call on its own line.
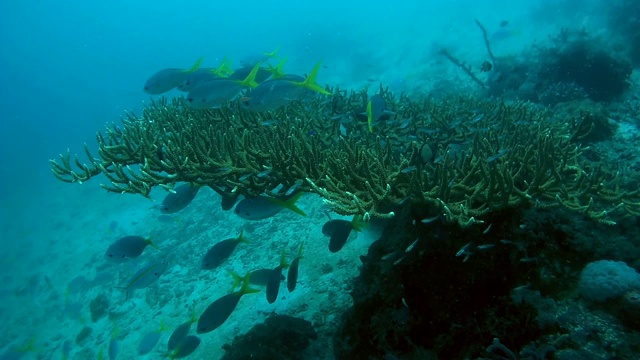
point(487, 156)
point(573, 65)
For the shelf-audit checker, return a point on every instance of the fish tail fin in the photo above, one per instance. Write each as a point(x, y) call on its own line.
point(283, 259)
point(272, 54)
point(29, 346)
point(300, 250)
point(370, 116)
point(237, 279)
point(241, 238)
point(148, 240)
point(194, 317)
point(310, 81)
point(357, 223)
point(115, 331)
point(276, 71)
point(163, 326)
point(195, 66)
point(291, 204)
point(246, 288)
point(250, 80)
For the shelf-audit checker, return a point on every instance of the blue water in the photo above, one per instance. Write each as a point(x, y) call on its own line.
point(69, 67)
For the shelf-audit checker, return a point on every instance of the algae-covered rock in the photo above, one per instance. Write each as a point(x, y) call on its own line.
point(279, 337)
point(99, 307)
point(83, 335)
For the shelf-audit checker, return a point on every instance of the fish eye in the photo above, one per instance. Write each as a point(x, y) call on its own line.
point(190, 99)
point(110, 255)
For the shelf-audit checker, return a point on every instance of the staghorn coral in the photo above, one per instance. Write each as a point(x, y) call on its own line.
point(488, 156)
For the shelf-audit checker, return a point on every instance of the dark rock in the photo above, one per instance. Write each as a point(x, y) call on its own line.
point(280, 337)
point(99, 307)
point(83, 335)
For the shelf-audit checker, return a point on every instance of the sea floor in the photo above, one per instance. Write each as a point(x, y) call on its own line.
point(46, 301)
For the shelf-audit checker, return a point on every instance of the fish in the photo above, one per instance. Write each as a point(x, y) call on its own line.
point(127, 248)
point(150, 340)
point(186, 347)
point(409, 169)
point(179, 199)
point(229, 197)
point(498, 155)
point(219, 311)
point(258, 277)
point(67, 346)
point(221, 251)
point(273, 94)
point(144, 277)
point(167, 79)
point(180, 333)
point(263, 207)
point(114, 346)
point(339, 231)
point(375, 111)
point(486, 66)
point(229, 200)
point(273, 281)
point(292, 275)
point(217, 92)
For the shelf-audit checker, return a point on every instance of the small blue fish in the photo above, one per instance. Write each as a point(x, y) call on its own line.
point(409, 169)
point(127, 248)
point(114, 346)
point(339, 231)
point(405, 124)
point(292, 275)
point(219, 311)
point(144, 277)
point(150, 340)
point(477, 118)
point(186, 347)
point(264, 173)
point(179, 334)
point(263, 207)
point(67, 346)
point(221, 251)
point(501, 153)
point(179, 199)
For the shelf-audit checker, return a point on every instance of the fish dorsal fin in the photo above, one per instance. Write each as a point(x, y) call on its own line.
point(250, 80)
point(195, 66)
point(370, 116)
point(224, 70)
point(277, 72)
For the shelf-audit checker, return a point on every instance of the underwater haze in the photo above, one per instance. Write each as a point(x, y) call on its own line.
point(70, 68)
